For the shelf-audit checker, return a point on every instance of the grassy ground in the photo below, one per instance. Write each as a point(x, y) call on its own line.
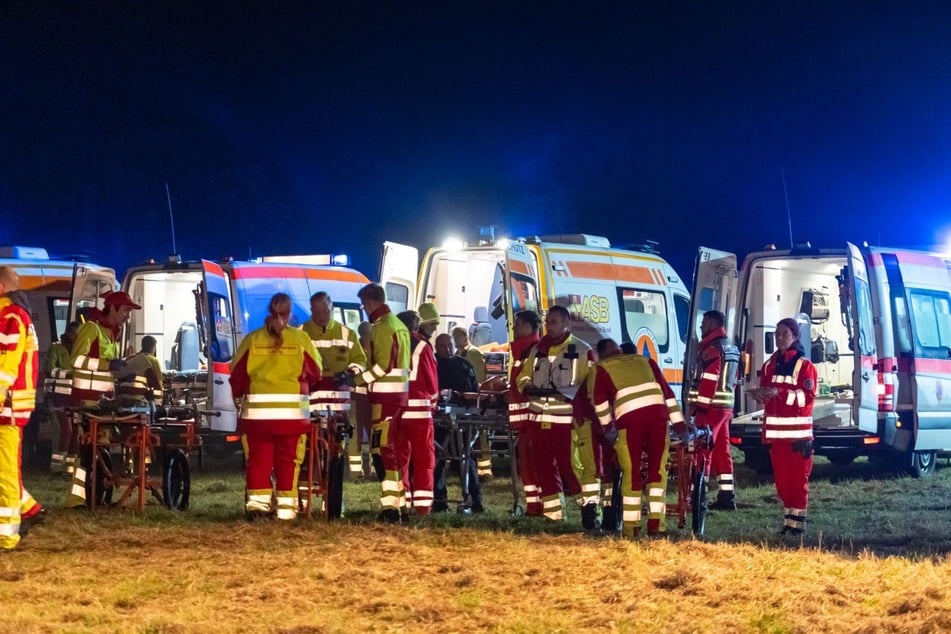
point(875, 559)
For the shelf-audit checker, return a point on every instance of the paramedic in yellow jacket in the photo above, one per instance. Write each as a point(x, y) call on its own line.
point(629, 393)
point(387, 382)
point(19, 370)
point(95, 355)
point(57, 371)
point(273, 372)
point(340, 350)
point(554, 369)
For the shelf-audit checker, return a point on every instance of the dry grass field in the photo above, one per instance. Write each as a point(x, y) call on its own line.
point(876, 559)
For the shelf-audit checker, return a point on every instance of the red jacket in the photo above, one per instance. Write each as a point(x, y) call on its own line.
point(788, 415)
point(423, 381)
point(19, 364)
point(518, 404)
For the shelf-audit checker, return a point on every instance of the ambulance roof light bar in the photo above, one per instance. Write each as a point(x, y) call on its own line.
point(320, 259)
point(24, 253)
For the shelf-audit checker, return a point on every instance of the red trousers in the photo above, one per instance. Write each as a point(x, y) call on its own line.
point(526, 468)
point(277, 452)
point(416, 453)
point(791, 472)
point(718, 420)
point(552, 461)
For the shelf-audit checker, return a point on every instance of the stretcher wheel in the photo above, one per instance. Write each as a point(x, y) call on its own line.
point(517, 510)
point(335, 487)
point(104, 486)
point(176, 481)
point(698, 500)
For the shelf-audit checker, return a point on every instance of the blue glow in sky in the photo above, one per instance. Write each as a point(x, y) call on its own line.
point(331, 127)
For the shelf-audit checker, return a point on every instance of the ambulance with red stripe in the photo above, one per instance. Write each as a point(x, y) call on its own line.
point(199, 311)
point(875, 321)
point(628, 295)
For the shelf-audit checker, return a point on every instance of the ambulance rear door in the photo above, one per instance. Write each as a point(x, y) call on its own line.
point(714, 288)
point(399, 270)
point(521, 283)
point(860, 321)
point(90, 283)
point(214, 308)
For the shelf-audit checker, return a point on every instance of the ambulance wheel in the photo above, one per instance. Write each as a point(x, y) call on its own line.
point(104, 486)
point(923, 463)
point(335, 487)
point(698, 501)
point(841, 458)
point(176, 481)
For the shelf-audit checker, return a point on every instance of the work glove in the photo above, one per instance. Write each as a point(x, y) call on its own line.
point(345, 379)
point(804, 447)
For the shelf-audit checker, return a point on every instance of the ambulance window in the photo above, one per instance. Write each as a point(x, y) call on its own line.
point(397, 297)
point(348, 315)
point(221, 337)
point(645, 313)
point(59, 316)
point(524, 293)
point(866, 329)
point(902, 325)
point(931, 316)
point(682, 310)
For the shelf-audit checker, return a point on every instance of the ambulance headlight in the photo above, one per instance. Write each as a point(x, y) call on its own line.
point(453, 244)
point(340, 259)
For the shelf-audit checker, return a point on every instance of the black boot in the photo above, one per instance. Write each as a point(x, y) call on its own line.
point(589, 517)
point(724, 502)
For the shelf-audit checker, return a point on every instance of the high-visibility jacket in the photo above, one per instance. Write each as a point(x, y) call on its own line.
point(387, 373)
point(94, 348)
point(340, 350)
point(628, 387)
point(423, 381)
point(58, 372)
point(19, 364)
point(715, 375)
point(274, 382)
point(476, 358)
point(554, 365)
point(518, 404)
point(788, 416)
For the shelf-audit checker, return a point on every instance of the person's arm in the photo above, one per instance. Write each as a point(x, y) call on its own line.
point(357, 359)
point(673, 405)
point(312, 366)
point(712, 362)
point(239, 379)
point(12, 348)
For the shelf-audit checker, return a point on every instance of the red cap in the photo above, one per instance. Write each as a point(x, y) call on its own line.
point(119, 298)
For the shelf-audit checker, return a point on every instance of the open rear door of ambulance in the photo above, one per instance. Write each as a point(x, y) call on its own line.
point(399, 270)
point(522, 290)
point(862, 331)
point(90, 283)
point(714, 288)
point(214, 307)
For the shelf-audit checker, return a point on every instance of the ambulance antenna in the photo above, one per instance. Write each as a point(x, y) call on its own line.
point(782, 172)
point(171, 218)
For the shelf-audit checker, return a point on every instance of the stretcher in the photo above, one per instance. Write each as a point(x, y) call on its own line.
point(688, 464)
point(322, 470)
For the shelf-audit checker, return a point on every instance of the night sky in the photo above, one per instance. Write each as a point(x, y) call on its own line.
point(331, 127)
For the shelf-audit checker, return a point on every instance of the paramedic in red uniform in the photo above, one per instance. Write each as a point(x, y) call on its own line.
point(711, 400)
point(630, 394)
point(19, 370)
point(788, 389)
point(273, 372)
point(527, 325)
point(556, 366)
point(417, 450)
point(387, 381)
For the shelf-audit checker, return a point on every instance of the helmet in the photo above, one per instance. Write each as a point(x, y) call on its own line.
point(428, 313)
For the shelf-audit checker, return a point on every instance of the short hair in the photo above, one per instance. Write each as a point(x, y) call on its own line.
point(628, 348)
point(529, 317)
point(560, 310)
point(603, 344)
point(321, 296)
point(373, 292)
point(364, 329)
point(148, 343)
point(716, 316)
point(410, 319)
point(459, 330)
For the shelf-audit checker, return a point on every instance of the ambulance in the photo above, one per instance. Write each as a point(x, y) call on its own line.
point(875, 321)
point(625, 294)
point(199, 311)
point(49, 285)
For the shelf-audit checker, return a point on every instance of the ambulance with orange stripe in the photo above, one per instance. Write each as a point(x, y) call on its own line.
point(628, 295)
point(875, 321)
point(199, 311)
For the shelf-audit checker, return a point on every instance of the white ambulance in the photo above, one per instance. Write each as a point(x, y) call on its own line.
point(627, 295)
point(875, 321)
point(199, 311)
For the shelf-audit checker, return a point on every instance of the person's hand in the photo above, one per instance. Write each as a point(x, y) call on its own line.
point(610, 434)
point(763, 394)
point(345, 379)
